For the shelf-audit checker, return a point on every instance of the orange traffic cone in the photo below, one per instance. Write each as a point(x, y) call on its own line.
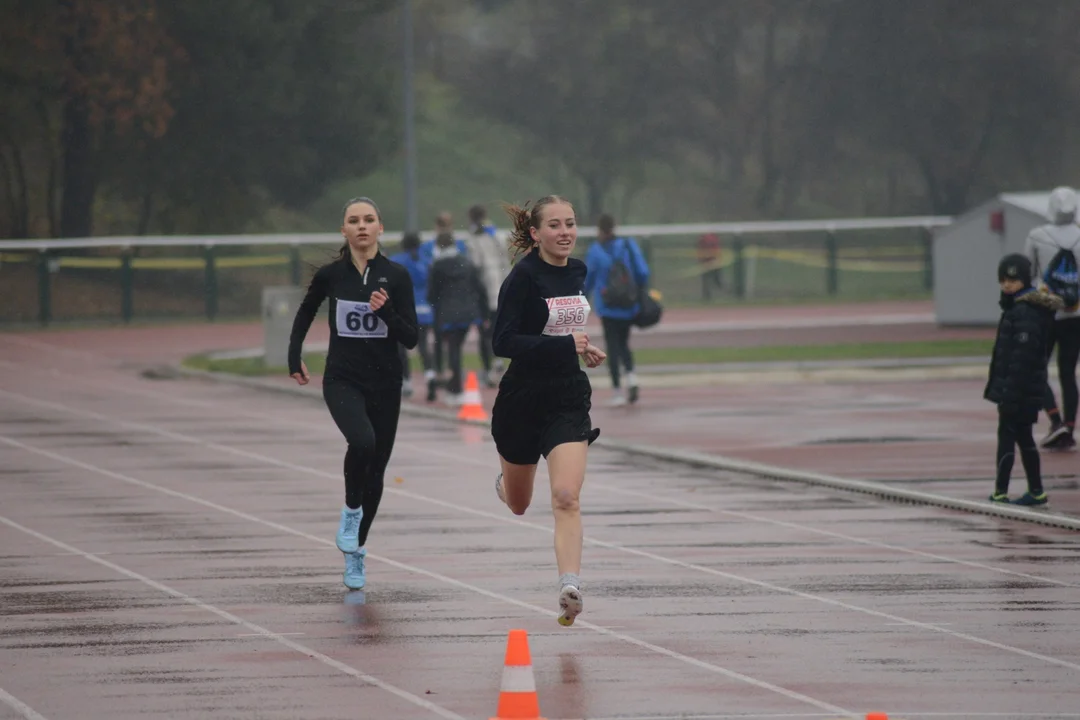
point(471, 408)
point(518, 700)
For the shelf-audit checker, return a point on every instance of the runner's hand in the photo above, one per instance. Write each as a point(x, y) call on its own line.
point(581, 341)
point(594, 356)
point(378, 299)
point(302, 377)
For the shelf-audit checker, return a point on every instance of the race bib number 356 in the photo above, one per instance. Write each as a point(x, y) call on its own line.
point(567, 315)
point(356, 320)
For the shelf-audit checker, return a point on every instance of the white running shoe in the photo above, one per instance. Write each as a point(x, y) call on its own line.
point(570, 604)
point(499, 489)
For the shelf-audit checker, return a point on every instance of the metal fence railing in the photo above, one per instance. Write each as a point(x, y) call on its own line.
point(151, 278)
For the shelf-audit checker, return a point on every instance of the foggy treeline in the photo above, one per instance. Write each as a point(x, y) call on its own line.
point(147, 116)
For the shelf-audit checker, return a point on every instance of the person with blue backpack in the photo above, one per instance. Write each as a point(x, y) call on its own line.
point(410, 259)
point(617, 277)
point(1053, 250)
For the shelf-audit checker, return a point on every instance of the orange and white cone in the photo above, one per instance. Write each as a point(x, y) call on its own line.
point(471, 406)
point(518, 699)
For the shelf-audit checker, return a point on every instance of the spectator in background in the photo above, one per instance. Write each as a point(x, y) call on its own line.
point(617, 274)
point(429, 252)
point(492, 259)
point(459, 301)
point(708, 253)
point(1042, 247)
point(409, 258)
point(1017, 376)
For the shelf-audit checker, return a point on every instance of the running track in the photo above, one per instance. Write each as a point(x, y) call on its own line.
point(166, 549)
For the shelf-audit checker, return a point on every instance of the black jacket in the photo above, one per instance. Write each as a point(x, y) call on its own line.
point(363, 344)
point(456, 293)
point(1017, 381)
point(526, 302)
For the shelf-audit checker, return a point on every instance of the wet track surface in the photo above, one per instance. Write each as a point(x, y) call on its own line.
point(166, 549)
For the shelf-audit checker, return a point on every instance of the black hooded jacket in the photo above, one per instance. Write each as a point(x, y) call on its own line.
point(1017, 381)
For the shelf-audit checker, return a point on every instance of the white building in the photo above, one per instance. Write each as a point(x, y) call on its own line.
point(966, 255)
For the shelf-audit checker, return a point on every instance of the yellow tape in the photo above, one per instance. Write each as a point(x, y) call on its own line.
point(814, 259)
point(892, 252)
point(15, 257)
point(168, 263)
point(89, 262)
point(253, 261)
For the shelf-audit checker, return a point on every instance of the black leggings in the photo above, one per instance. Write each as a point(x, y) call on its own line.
point(617, 340)
point(1014, 432)
point(368, 418)
point(1066, 335)
point(455, 340)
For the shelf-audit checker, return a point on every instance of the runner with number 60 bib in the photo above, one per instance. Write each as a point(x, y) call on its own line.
point(372, 310)
point(544, 398)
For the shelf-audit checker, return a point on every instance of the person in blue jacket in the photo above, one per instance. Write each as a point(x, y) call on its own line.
point(617, 275)
point(429, 253)
point(410, 258)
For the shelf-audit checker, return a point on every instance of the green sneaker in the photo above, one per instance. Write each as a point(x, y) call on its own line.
point(1000, 498)
point(1029, 499)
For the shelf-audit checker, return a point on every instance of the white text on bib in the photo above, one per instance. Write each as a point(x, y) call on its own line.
point(566, 315)
point(356, 320)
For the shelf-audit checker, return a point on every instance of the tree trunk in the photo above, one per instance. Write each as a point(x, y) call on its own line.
point(79, 171)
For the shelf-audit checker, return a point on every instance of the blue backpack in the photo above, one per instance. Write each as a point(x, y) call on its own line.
point(621, 290)
point(1062, 278)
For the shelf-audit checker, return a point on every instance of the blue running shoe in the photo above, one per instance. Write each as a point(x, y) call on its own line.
point(1029, 500)
point(354, 578)
point(348, 534)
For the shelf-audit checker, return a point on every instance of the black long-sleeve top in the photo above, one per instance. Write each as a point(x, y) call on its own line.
point(540, 305)
point(363, 344)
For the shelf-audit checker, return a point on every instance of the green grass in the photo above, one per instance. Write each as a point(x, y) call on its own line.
point(676, 356)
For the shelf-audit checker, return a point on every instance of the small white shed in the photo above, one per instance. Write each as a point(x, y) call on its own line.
point(967, 251)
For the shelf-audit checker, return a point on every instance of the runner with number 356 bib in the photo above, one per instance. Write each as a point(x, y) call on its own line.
point(372, 310)
point(544, 398)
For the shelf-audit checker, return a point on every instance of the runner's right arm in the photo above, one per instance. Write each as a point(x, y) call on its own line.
point(305, 315)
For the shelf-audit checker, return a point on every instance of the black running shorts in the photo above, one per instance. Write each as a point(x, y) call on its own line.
point(532, 417)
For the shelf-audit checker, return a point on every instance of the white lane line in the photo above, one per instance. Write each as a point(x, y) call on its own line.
point(716, 669)
point(588, 540)
point(255, 629)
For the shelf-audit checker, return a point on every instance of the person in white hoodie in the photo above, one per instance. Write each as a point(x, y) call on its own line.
point(1042, 248)
point(491, 255)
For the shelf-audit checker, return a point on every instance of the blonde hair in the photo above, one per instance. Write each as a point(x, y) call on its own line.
point(523, 217)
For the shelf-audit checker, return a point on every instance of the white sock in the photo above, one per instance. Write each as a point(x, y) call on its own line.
point(569, 579)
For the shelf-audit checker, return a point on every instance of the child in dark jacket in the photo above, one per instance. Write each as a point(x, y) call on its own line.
point(1018, 375)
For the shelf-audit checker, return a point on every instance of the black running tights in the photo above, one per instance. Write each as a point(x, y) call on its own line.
point(1066, 335)
point(1014, 433)
point(368, 419)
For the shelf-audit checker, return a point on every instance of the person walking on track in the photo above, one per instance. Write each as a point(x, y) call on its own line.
point(492, 258)
point(372, 311)
point(617, 275)
point(1054, 249)
point(544, 398)
point(411, 260)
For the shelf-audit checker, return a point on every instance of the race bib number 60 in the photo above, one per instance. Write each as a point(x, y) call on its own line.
point(356, 320)
point(567, 315)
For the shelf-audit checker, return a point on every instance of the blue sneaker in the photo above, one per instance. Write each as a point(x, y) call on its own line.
point(348, 534)
point(1029, 500)
point(354, 578)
